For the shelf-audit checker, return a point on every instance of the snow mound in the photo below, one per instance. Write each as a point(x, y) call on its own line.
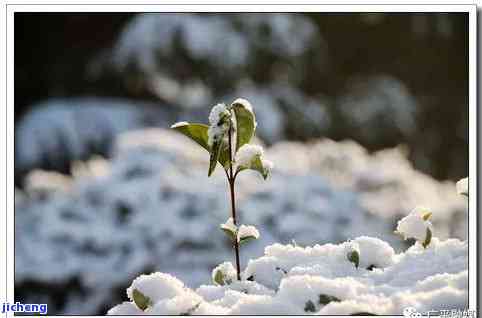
point(321, 280)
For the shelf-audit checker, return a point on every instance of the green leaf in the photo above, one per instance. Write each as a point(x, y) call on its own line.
point(257, 165)
point(354, 257)
point(215, 152)
point(197, 132)
point(142, 301)
point(224, 155)
point(310, 306)
point(428, 238)
point(245, 122)
point(246, 239)
point(325, 299)
point(426, 216)
point(219, 278)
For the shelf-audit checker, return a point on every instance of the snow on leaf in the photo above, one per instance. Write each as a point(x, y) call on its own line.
point(247, 233)
point(218, 114)
point(247, 154)
point(180, 124)
point(155, 287)
point(219, 125)
point(230, 229)
point(415, 225)
point(224, 274)
point(252, 157)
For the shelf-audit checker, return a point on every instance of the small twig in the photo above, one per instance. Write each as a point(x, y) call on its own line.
point(236, 174)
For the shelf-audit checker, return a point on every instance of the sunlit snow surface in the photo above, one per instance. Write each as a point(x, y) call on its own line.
point(153, 208)
point(287, 278)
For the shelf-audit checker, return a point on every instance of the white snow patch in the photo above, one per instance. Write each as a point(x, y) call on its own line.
point(180, 124)
point(229, 225)
point(217, 113)
point(156, 286)
point(217, 125)
point(319, 280)
point(463, 186)
point(42, 182)
point(247, 231)
point(126, 308)
point(247, 153)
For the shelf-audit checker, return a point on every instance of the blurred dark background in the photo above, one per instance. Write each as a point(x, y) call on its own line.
point(67, 55)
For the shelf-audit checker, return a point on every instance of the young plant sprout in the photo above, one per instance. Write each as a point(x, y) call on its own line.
point(416, 225)
point(227, 138)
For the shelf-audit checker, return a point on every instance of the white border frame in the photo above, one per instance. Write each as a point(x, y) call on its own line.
point(7, 94)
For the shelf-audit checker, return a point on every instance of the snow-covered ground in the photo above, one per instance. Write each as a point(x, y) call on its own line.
point(292, 280)
point(152, 208)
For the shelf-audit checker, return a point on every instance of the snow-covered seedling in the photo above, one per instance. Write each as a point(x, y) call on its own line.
point(227, 139)
point(416, 225)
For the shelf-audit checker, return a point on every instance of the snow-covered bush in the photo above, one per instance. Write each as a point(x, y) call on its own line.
point(156, 46)
point(58, 131)
point(227, 139)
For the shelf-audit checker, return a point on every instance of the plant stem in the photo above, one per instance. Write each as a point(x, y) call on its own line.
point(231, 179)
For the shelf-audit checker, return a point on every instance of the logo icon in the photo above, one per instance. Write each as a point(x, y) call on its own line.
point(411, 312)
